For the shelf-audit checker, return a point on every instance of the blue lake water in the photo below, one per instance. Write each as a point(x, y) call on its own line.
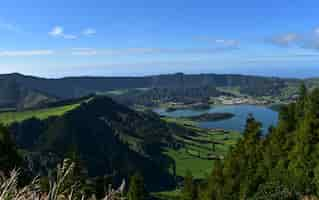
point(263, 114)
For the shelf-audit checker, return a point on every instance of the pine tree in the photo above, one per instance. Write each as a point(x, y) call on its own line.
point(240, 167)
point(303, 92)
point(189, 188)
point(214, 190)
point(282, 165)
point(302, 101)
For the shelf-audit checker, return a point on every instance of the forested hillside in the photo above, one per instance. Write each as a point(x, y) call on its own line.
point(154, 96)
point(74, 87)
point(282, 165)
point(107, 137)
point(15, 96)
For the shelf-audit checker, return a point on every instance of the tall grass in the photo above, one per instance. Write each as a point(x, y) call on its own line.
point(64, 187)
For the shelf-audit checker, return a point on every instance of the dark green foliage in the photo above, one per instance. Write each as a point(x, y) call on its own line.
point(214, 187)
point(211, 117)
point(275, 191)
point(44, 184)
point(15, 95)
point(33, 126)
point(152, 97)
point(243, 162)
point(9, 157)
point(189, 191)
point(282, 165)
point(106, 138)
point(9, 93)
point(179, 86)
point(137, 190)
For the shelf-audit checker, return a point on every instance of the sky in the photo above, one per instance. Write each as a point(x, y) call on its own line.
point(143, 37)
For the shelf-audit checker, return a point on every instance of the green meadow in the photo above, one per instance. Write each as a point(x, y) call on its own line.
point(199, 151)
point(10, 117)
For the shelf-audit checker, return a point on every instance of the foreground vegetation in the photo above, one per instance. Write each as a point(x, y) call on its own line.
point(283, 165)
point(66, 186)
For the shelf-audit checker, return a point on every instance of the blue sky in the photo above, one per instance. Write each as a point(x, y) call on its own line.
point(114, 38)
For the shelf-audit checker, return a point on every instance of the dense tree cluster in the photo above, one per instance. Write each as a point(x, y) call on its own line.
point(154, 96)
point(69, 180)
point(9, 157)
point(282, 165)
point(108, 138)
point(74, 87)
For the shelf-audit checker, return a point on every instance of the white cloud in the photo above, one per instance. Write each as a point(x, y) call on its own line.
point(285, 39)
point(219, 42)
point(44, 52)
point(84, 52)
point(58, 31)
point(308, 40)
point(227, 42)
point(89, 31)
point(69, 36)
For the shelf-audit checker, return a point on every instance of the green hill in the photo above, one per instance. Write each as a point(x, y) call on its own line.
point(11, 117)
point(74, 87)
point(15, 96)
point(108, 137)
point(44, 111)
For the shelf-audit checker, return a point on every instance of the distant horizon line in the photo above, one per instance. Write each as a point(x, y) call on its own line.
point(155, 74)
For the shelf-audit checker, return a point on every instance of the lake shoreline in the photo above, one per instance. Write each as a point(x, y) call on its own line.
point(264, 114)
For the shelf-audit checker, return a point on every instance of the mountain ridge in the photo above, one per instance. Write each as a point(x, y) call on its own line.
point(56, 89)
point(109, 138)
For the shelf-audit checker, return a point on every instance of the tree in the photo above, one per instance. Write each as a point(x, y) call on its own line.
point(303, 92)
point(302, 101)
point(137, 189)
point(9, 157)
point(215, 183)
point(282, 165)
point(189, 191)
point(240, 166)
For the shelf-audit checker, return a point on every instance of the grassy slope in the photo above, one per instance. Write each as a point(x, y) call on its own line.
point(10, 117)
point(187, 158)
